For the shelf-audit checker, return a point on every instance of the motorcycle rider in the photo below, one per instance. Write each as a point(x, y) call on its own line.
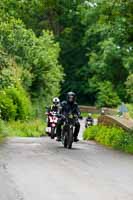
point(89, 119)
point(69, 106)
point(55, 107)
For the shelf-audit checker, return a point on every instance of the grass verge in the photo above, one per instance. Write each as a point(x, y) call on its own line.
point(34, 128)
point(113, 137)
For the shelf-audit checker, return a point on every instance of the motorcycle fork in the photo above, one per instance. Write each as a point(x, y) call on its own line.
point(65, 129)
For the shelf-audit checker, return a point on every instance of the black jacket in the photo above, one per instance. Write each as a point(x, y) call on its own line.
point(89, 119)
point(67, 108)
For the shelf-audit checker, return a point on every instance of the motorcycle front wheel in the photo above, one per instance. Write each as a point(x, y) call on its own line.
point(65, 139)
point(52, 132)
point(70, 138)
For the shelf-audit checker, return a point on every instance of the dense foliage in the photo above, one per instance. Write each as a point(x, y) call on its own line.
point(29, 66)
point(113, 137)
point(90, 40)
point(96, 45)
point(3, 130)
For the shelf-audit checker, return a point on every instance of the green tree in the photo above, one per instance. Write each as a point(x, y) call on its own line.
point(95, 39)
point(129, 87)
point(38, 55)
point(106, 95)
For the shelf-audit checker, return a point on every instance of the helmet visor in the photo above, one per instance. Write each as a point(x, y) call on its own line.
point(55, 102)
point(70, 98)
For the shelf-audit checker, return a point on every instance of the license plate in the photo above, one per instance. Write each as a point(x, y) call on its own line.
point(48, 129)
point(53, 125)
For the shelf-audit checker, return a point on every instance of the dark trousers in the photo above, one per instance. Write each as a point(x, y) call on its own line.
point(60, 123)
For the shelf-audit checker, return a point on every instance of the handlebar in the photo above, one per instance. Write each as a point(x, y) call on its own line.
point(73, 115)
point(63, 116)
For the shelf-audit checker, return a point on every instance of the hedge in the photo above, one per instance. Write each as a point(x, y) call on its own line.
point(113, 137)
point(14, 104)
point(3, 130)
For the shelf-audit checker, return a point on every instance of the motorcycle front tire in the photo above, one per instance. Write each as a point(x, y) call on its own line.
point(52, 132)
point(65, 139)
point(70, 138)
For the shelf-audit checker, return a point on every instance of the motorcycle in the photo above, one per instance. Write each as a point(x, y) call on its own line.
point(89, 123)
point(52, 119)
point(68, 130)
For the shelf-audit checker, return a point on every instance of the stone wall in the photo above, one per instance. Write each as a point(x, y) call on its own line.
point(111, 121)
point(93, 109)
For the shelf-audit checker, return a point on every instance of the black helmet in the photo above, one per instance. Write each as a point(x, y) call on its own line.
point(71, 96)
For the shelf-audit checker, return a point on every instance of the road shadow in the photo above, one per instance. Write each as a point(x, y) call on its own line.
point(72, 149)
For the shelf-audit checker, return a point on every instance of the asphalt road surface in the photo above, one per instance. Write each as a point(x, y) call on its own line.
point(41, 169)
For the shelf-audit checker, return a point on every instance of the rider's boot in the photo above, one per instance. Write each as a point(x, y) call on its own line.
point(58, 139)
point(76, 139)
point(58, 135)
point(76, 132)
point(58, 130)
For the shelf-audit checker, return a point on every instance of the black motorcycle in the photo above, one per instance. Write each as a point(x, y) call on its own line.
point(68, 130)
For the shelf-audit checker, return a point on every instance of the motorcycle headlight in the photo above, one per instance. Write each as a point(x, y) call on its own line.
point(70, 116)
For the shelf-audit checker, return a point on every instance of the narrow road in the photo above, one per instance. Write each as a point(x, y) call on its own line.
point(41, 169)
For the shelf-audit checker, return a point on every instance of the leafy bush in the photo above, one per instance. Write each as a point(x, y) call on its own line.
point(14, 104)
point(7, 107)
point(130, 109)
point(21, 101)
point(33, 128)
point(10, 72)
point(37, 56)
point(107, 96)
point(3, 129)
point(90, 133)
point(128, 143)
point(113, 137)
point(129, 88)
